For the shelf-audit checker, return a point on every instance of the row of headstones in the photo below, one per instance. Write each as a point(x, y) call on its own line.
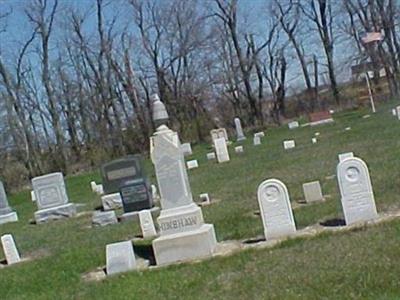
point(357, 198)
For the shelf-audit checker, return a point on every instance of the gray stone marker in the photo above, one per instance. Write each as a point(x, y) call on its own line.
point(120, 257)
point(183, 234)
point(343, 156)
point(239, 149)
point(289, 144)
point(6, 213)
point(398, 112)
point(293, 125)
point(210, 156)
point(239, 130)
point(51, 198)
point(104, 218)
point(147, 224)
point(356, 192)
point(111, 201)
point(10, 250)
point(256, 140)
point(192, 164)
point(186, 149)
point(221, 150)
point(312, 192)
point(276, 211)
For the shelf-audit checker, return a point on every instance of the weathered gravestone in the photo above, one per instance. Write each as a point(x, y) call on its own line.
point(51, 198)
point(6, 213)
point(186, 149)
point(184, 235)
point(111, 201)
point(9, 249)
point(260, 134)
point(398, 112)
point(239, 149)
point(256, 140)
point(147, 224)
point(343, 156)
point(275, 208)
point(394, 112)
point(104, 218)
point(219, 133)
point(289, 144)
point(356, 191)
point(293, 125)
point(239, 130)
point(210, 156)
point(221, 150)
point(120, 257)
point(126, 177)
point(312, 192)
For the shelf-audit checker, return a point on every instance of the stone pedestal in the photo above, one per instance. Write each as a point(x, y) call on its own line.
point(55, 213)
point(10, 217)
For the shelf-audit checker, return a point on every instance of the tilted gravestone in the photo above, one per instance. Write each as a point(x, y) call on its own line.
point(221, 150)
point(127, 177)
point(276, 211)
point(312, 192)
point(6, 213)
point(9, 249)
point(120, 257)
point(183, 234)
point(239, 130)
point(147, 224)
point(357, 196)
point(51, 198)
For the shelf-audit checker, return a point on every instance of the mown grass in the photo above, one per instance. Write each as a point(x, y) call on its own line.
point(361, 264)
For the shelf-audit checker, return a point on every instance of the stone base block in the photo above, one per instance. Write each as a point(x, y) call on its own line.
point(111, 201)
point(10, 217)
point(134, 215)
point(185, 246)
point(55, 213)
point(104, 218)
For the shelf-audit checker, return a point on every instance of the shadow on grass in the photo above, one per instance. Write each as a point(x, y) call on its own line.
point(146, 252)
point(333, 223)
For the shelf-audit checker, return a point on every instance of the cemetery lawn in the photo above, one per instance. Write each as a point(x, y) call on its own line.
point(359, 264)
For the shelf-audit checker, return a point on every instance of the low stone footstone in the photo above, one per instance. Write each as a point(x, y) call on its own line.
point(147, 224)
point(343, 156)
point(260, 134)
point(210, 156)
point(317, 134)
point(293, 125)
point(312, 192)
point(289, 144)
point(347, 129)
point(239, 149)
point(10, 250)
point(111, 201)
point(256, 140)
point(205, 198)
point(314, 140)
point(186, 149)
point(239, 130)
point(33, 196)
point(398, 112)
point(93, 186)
point(6, 213)
point(99, 190)
point(192, 164)
point(221, 150)
point(52, 199)
point(120, 258)
point(104, 218)
point(394, 113)
point(357, 196)
point(275, 208)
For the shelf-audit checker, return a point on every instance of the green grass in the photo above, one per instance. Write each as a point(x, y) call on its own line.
point(361, 264)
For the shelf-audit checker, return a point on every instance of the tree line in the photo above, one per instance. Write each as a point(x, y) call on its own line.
point(76, 90)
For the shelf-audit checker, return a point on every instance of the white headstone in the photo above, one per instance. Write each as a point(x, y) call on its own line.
point(191, 164)
point(312, 192)
point(276, 211)
point(256, 140)
point(10, 250)
point(317, 134)
point(186, 149)
point(343, 156)
point(147, 224)
point(205, 198)
point(356, 191)
point(239, 130)
point(398, 112)
point(33, 196)
point(211, 156)
point(347, 129)
point(394, 113)
point(239, 149)
point(314, 140)
point(289, 144)
point(221, 150)
point(120, 257)
point(219, 133)
point(293, 125)
point(93, 186)
point(50, 190)
point(99, 189)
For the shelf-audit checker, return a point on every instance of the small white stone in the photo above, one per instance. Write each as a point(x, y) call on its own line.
point(314, 140)
point(211, 156)
point(205, 198)
point(239, 149)
point(10, 250)
point(343, 156)
point(147, 224)
point(293, 125)
point(317, 134)
point(192, 164)
point(111, 201)
point(33, 196)
point(347, 128)
point(256, 141)
point(289, 144)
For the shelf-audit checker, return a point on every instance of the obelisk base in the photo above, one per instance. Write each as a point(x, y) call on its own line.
point(184, 246)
